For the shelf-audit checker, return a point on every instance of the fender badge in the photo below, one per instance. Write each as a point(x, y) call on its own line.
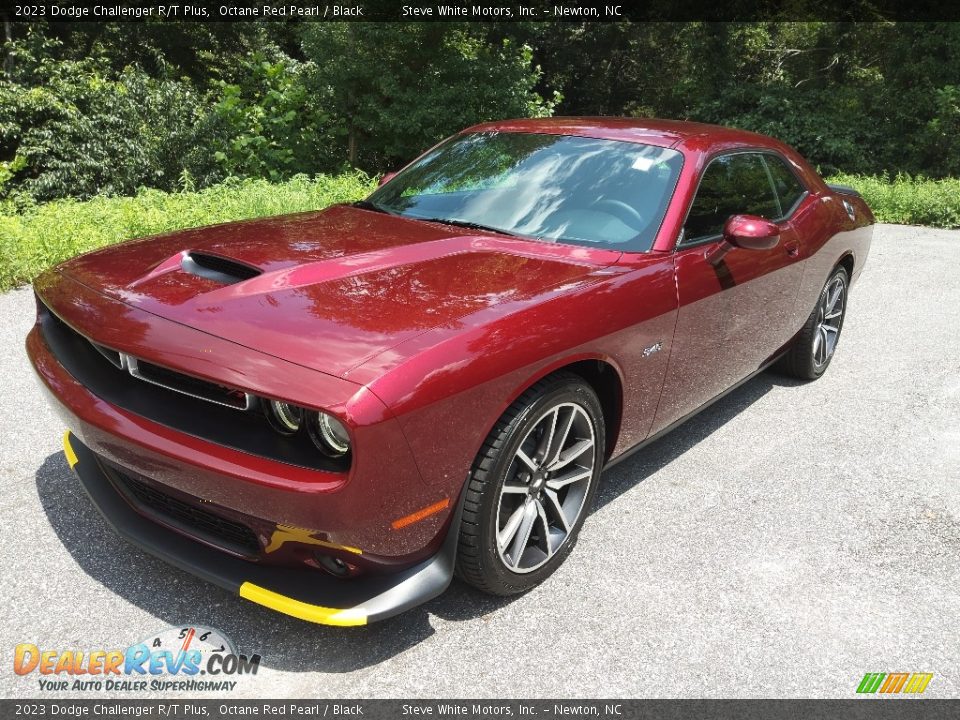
point(656, 347)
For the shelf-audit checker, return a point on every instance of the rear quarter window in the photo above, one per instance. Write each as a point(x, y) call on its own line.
point(789, 189)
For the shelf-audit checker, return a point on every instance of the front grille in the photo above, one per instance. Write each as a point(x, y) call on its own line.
point(188, 385)
point(207, 410)
point(203, 524)
point(164, 377)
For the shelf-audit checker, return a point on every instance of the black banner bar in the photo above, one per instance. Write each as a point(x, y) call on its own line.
point(874, 708)
point(576, 11)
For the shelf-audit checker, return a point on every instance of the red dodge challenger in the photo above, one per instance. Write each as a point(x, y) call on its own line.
point(333, 413)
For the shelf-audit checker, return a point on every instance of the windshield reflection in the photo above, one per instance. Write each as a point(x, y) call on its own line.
point(560, 188)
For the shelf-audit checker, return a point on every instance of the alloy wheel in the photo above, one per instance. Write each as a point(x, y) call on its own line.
point(829, 320)
point(545, 487)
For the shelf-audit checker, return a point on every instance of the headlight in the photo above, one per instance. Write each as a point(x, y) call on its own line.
point(284, 417)
point(328, 434)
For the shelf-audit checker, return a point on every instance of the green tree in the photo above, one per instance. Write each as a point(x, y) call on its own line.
point(269, 124)
point(90, 108)
point(394, 89)
point(859, 97)
point(69, 127)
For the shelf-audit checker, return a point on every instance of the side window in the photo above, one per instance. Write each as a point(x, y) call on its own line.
point(788, 188)
point(731, 185)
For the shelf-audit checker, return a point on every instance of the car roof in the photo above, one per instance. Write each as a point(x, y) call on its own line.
point(663, 133)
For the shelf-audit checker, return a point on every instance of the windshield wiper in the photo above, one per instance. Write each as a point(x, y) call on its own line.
point(367, 205)
point(470, 225)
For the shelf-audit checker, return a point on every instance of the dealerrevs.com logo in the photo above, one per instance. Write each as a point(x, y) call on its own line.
point(194, 659)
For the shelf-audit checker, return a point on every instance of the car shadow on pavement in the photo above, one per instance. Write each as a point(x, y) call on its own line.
point(462, 603)
point(650, 459)
point(177, 598)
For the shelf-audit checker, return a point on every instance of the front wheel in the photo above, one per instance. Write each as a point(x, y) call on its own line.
point(813, 349)
point(531, 487)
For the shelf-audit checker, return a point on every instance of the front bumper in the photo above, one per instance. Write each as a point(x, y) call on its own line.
point(304, 593)
point(357, 509)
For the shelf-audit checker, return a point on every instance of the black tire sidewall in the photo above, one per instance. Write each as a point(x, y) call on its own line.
point(507, 581)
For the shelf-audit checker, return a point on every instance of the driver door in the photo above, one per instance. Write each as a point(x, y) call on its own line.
point(733, 313)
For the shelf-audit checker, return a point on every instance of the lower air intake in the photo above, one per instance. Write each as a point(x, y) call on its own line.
point(191, 519)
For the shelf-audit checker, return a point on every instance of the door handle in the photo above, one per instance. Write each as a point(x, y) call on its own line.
point(793, 249)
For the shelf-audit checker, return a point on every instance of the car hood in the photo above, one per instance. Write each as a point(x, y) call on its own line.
point(332, 289)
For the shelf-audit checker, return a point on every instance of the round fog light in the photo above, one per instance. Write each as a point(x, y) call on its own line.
point(284, 417)
point(329, 435)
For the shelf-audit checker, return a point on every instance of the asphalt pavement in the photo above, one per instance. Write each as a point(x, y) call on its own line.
point(781, 544)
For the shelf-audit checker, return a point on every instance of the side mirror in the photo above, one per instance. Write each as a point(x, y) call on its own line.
point(387, 177)
point(751, 232)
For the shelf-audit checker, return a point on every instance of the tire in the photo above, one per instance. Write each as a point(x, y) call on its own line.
point(502, 484)
point(811, 352)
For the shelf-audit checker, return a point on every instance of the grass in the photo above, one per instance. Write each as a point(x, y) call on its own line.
point(43, 235)
point(909, 200)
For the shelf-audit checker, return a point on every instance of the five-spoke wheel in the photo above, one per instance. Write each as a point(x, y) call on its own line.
point(545, 487)
point(829, 318)
point(816, 342)
point(531, 486)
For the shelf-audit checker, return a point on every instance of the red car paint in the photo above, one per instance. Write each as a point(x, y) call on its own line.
point(418, 336)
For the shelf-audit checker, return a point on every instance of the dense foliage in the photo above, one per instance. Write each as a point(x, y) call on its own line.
point(909, 201)
point(85, 111)
point(101, 108)
point(394, 89)
point(852, 97)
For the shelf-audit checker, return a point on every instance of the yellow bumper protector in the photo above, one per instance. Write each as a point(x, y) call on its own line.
point(68, 450)
point(304, 611)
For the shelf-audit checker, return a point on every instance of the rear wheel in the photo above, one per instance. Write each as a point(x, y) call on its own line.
point(531, 487)
point(813, 349)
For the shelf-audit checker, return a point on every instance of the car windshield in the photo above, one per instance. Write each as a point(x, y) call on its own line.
point(557, 188)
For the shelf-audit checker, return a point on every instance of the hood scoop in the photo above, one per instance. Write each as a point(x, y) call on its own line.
point(217, 268)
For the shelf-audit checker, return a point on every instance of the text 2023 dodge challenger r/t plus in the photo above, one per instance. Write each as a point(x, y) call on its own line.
point(331, 413)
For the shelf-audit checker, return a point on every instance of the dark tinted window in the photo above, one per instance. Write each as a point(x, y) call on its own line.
point(788, 188)
point(732, 185)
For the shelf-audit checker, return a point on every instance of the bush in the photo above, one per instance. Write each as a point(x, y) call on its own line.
point(909, 200)
point(44, 235)
point(100, 108)
point(394, 89)
point(76, 128)
point(76, 124)
point(270, 125)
